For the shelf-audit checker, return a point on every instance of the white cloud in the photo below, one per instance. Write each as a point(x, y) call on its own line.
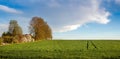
point(10, 10)
point(68, 28)
point(79, 12)
point(53, 3)
point(3, 28)
point(117, 1)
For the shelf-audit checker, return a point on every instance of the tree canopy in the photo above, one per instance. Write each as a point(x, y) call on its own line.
point(14, 28)
point(40, 29)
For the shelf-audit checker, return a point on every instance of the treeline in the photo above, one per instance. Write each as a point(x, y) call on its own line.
point(39, 30)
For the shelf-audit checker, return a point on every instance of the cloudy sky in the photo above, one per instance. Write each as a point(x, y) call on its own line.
point(69, 19)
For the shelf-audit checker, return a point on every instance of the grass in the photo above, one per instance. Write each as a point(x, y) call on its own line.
point(62, 49)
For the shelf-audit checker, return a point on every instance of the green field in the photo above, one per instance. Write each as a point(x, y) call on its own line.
point(62, 49)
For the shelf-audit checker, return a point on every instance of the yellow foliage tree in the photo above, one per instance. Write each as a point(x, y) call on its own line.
point(40, 29)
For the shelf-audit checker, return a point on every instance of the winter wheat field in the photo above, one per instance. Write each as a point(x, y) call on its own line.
point(63, 49)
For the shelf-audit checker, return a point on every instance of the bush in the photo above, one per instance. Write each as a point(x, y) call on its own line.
point(1, 40)
point(15, 39)
point(7, 39)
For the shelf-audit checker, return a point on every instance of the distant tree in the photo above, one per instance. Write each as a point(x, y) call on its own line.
point(6, 34)
point(7, 37)
point(14, 28)
point(40, 29)
point(12, 24)
point(3, 34)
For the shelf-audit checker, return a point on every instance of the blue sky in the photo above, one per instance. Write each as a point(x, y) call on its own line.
point(69, 19)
